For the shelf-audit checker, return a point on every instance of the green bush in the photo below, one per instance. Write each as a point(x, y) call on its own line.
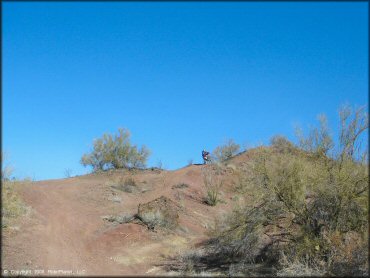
point(282, 144)
point(308, 208)
point(226, 151)
point(115, 152)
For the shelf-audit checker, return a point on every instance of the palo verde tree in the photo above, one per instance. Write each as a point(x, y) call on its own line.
point(115, 152)
point(226, 151)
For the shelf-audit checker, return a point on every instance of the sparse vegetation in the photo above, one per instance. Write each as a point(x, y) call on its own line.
point(68, 172)
point(6, 168)
point(115, 152)
point(299, 209)
point(212, 179)
point(282, 144)
point(180, 185)
point(306, 206)
point(120, 219)
point(126, 184)
point(226, 151)
point(12, 204)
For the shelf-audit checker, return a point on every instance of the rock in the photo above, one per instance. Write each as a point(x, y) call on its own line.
point(162, 212)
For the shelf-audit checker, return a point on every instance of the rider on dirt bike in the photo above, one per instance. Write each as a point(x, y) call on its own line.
point(205, 155)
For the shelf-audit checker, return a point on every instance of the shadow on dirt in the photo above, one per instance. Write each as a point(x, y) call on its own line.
point(202, 261)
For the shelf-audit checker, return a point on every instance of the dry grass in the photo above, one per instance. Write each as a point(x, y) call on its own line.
point(307, 209)
point(125, 184)
point(12, 205)
point(180, 185)
point(212, 179)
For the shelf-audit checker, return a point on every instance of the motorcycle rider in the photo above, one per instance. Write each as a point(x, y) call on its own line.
point(205, 155)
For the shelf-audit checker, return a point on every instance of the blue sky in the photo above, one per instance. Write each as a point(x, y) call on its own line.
point(180, 76)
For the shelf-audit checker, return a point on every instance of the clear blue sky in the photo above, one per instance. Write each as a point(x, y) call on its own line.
point(180, 76)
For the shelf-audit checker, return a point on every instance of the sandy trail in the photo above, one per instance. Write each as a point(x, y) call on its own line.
point(62, 229)
point(65, 231)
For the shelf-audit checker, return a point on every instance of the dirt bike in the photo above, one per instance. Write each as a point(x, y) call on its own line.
point(207, 160)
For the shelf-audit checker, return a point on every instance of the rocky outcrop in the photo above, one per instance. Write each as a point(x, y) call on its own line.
point(161, 212)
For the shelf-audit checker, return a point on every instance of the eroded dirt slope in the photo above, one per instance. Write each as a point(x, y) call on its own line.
point(65, 229)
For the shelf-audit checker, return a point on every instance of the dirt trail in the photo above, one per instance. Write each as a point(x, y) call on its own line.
point(65, 230)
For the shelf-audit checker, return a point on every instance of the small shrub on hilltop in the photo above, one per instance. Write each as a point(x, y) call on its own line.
point(282, 144)
point(226, 151)
point(307, 211)
point(68, 173)
point(115, 152)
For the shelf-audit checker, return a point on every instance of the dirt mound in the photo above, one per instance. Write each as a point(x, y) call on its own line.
point(161, 212)
point(87, 225)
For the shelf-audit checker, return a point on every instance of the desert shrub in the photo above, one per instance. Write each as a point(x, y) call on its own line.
point(319, 140)
point(125, 184)
point(97, 158)
point(304, 205)
point(68, 172)
point(282, 144)
point(160, 165)
point(130, 181)
point(226, 151)
point(180, 185)
point(348, 254)
point(115, 152)
point(121, 219)
point(191, 263)
point(139, 157)
point(12, 204)
point(6, 168)
point(296, 268)
point(212, 179)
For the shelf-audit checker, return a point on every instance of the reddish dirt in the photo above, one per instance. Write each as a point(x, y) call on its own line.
point(65, 230)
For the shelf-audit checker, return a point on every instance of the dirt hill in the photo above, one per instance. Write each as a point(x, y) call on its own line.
point(74, 225)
